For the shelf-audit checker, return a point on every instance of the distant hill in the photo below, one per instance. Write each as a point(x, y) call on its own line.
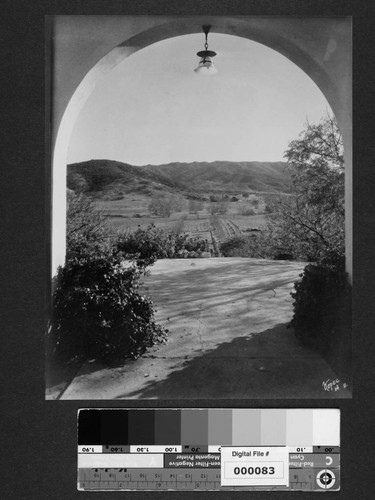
point(233, 176)
point(106, 176)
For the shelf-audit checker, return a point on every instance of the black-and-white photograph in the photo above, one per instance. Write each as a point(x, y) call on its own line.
point(201, 207)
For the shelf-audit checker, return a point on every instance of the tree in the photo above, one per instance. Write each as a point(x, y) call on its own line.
point(309, 224)
point(316, 164)
point(87, 231)
point(161, 206)
point(218, 208)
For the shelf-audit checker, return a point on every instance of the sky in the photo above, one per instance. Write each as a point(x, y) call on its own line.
point(153, 109)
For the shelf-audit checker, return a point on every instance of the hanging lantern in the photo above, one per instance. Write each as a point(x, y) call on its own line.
point(206, 66)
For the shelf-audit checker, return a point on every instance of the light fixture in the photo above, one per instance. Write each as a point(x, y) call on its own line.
point(206, 66)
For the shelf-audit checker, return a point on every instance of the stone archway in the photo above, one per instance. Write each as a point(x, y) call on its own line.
point(88, 47)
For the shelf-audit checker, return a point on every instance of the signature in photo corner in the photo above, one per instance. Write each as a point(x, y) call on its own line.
point(333, 385)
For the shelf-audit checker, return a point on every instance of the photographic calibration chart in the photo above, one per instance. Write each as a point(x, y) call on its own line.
point(209, 449)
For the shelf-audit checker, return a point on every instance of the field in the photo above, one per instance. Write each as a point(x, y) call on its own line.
point(131, 212)
point(213, 201)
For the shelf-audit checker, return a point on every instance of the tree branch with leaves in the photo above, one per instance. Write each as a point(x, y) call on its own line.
point(309, 223)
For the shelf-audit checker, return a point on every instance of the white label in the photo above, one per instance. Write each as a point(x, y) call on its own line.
point(254, 466)
point(300, 449)
point(120, 460)
point(156, 449)
point(90, 449)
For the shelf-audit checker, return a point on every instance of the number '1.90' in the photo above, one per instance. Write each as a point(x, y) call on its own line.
point(254, 470)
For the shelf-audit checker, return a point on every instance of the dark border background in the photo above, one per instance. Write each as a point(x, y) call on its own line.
point(39, 437)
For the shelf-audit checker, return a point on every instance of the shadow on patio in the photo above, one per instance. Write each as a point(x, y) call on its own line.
point(269, 364)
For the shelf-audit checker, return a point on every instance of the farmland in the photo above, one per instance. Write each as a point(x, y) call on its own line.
point(213, 201)
point(131, 213)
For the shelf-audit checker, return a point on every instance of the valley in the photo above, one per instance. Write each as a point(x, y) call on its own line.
point(212, 201)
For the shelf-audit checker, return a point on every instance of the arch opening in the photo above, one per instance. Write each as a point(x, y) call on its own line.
point(320, 61)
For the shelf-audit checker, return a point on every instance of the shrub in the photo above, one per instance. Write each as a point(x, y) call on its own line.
point(97, 309)
point(322, 306)
point(99, 313)
point(234, 247)
point(247, 211)
point(153, 243)
point(184, 242)
point(147, 245)
point(240, 246)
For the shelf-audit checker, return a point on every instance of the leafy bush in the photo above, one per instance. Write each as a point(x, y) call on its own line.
point(184, 242)
point(239, 246)
point(153, 243)
point(97, 309)
point(99, 313)
point(247, 246)
point(146, 244)
point(246, 210)
point(322, 305)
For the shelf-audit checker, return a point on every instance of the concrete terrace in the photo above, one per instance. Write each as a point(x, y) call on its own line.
point(228, 338)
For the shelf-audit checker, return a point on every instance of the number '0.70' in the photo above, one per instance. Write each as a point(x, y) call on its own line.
point(254, 470)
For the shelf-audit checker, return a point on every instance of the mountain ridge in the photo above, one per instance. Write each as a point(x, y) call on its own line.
point(100, 175)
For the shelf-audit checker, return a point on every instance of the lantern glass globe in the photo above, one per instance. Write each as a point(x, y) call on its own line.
point(206, 67)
